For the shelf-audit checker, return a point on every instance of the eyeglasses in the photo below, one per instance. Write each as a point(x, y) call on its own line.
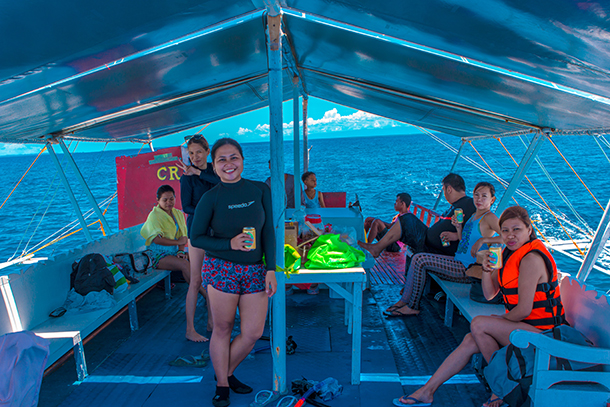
point(195, 137)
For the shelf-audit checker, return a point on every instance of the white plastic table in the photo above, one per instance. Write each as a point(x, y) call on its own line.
point(349, 284)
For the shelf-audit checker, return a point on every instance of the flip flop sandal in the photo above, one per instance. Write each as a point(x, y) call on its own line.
point(190, 361)
point(416, 402)
point(397, 314)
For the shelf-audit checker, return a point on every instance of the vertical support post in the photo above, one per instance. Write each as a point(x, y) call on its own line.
point(297, 150)
point(133, 316)
point(457, 157)
point(83, 183)
point(305, 137)
point(356, 320)
point(9, 303)
point(597, 245)
point(64, 179)
point(79, 357)
point(449, 312)
point(276, 122)
point(526, 162)
point(168, 287)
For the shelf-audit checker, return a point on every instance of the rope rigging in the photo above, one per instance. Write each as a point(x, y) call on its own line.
point(589, 232)
point(575, 173)
point(543, 200)
point(71, 226)
point(23, 176)
point(596, 138)
point(503, 182)
point(62, 232)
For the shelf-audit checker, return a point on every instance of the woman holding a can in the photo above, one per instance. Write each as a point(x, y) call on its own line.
point(479, 229)
point(233, 223)
point(529, 285)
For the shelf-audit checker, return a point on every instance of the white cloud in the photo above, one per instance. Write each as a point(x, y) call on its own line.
point(332, 121)
point(19, 149)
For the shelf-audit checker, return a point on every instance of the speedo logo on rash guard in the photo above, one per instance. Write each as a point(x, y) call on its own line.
point(241, 205)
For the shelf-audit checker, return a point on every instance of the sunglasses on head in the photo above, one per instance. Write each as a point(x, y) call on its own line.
point(195, 137)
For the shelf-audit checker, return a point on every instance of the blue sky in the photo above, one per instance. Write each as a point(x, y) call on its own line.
point(325, 120)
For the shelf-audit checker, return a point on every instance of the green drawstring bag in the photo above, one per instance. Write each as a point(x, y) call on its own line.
point(328, 252)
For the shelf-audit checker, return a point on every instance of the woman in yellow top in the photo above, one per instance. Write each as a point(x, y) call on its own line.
point(165, 234)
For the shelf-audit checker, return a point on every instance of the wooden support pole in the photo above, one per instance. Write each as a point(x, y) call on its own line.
point(276, 136)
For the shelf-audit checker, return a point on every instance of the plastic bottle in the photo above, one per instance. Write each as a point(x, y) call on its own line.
point(329, 389)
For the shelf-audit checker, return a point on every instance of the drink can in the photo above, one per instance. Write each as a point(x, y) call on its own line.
point(252, 232)
point(496, 257)
point(459, 215)
point(445, 242)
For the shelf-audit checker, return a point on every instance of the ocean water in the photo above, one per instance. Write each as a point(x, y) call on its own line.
point(374, 168)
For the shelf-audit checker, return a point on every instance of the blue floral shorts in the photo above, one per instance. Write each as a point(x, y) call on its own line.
point(233, 278)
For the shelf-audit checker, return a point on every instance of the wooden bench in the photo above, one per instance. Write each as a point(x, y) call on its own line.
point(588, 311)
point(458, 295)
point(30, 295)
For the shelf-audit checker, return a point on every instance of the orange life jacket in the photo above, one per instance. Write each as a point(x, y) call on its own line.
point(547, 311)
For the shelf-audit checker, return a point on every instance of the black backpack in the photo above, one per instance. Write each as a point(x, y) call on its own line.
point(91, 274)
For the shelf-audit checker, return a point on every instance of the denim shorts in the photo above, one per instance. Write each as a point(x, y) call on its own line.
point(233, 278)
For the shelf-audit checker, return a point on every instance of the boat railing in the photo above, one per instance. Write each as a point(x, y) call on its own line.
point(424, 214)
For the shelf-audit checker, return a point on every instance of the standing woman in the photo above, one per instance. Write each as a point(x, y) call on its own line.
point(198, 178)
point(529, 285)
point(233, 269)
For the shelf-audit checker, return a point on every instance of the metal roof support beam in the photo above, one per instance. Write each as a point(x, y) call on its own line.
point(276, 136)
point(457, 157)
point(305, 137)
point(64, 179)
point(297, 151)
point(526, 162)
point(83, 183)
point(597, 245)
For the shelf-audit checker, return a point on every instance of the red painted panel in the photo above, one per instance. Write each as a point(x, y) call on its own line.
point(335, 199)
point(139, 177)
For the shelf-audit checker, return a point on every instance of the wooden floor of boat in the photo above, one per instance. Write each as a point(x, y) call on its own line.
point(131, 369)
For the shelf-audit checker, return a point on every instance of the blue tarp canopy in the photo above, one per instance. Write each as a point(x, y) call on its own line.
point(137, 70)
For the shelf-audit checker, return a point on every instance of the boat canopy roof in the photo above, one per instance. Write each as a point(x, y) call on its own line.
point(137, 70)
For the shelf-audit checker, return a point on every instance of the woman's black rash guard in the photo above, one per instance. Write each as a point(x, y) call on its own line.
point(193, 187)
point(226, 209)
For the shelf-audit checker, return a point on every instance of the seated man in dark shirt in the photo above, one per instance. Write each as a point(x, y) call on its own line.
point(376, 228)
point(415, 234)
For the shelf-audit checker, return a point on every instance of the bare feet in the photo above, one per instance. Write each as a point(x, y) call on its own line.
point(494, 401)
point(399, 304)
point(371, 248)
point(195, 337)
point(399, 312)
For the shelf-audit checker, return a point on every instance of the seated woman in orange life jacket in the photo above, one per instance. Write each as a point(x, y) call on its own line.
point(528, 265)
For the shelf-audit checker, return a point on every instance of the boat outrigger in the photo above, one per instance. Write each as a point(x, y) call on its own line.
point(139, 71)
